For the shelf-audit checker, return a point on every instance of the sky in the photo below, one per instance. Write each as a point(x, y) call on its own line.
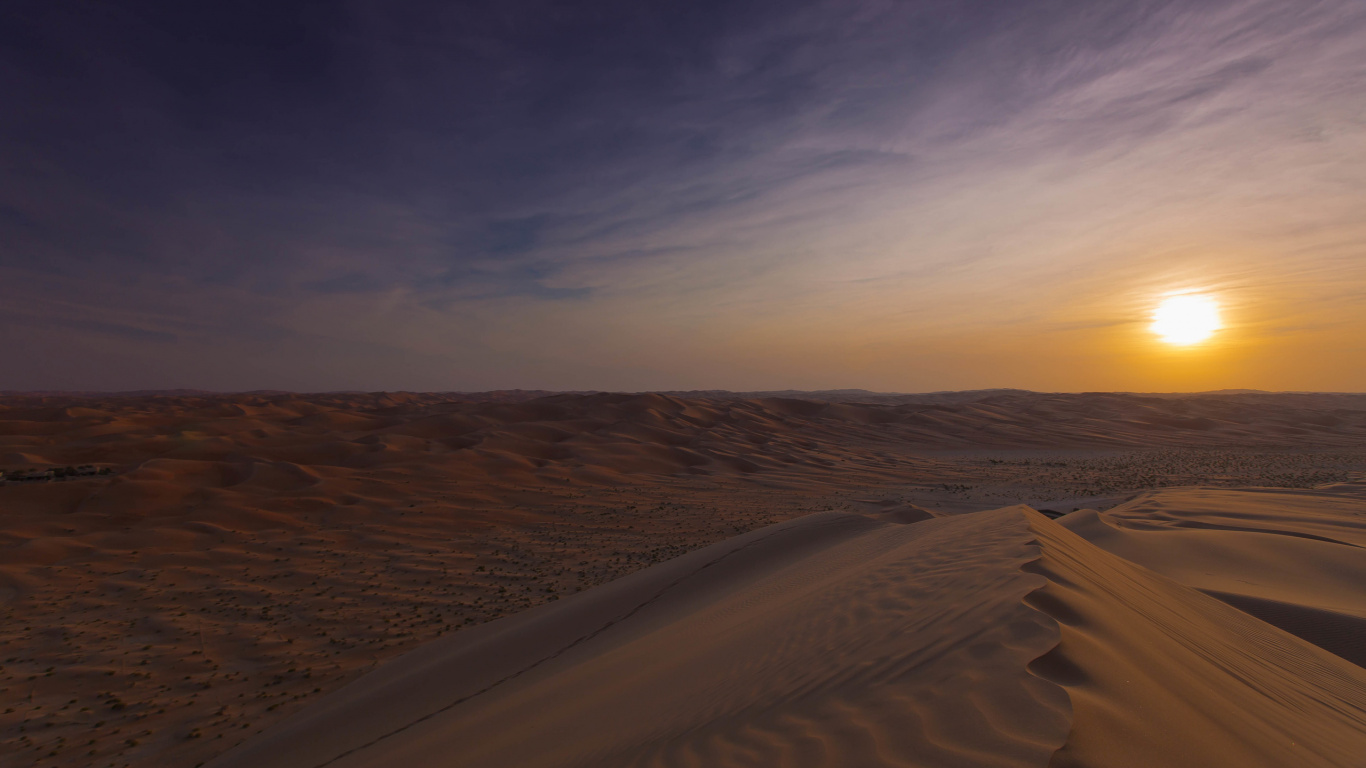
point(896, 196)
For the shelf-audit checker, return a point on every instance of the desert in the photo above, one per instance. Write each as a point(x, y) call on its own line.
point(803, 384)
point(528, 578)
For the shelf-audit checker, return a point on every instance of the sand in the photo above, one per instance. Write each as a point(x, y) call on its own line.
point(1291, 559)
point(255, 562)
point(992, 638)
point(835, 639)
point(1160, 673)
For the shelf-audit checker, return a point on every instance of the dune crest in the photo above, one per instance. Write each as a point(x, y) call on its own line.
point(834, 639)
point(997, 638)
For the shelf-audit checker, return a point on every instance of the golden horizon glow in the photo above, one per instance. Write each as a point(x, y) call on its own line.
point(1186, 319)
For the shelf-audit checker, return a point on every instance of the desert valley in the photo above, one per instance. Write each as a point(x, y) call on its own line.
point(838, 578)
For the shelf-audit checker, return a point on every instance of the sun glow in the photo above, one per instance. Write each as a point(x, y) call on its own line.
point(1186, 319)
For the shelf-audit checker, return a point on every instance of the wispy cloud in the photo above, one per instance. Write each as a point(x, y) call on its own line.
point(529, 194)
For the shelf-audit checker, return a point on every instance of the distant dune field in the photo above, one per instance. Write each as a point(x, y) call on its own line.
point(840, 578)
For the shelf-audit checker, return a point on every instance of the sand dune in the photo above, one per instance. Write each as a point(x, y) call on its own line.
point(252, 554)
point(835, 640)
point(330, 427)
point(1159, 674)
point(851, 640)
point(1292, 559)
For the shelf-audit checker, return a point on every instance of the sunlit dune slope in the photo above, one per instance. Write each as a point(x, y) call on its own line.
point(1295, 559)
point(995, 638)
point(834, 639)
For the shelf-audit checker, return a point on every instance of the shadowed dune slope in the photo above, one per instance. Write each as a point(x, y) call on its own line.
point(831, 640)
point(1296, 560)
point(996, 638)
point(1159, 674)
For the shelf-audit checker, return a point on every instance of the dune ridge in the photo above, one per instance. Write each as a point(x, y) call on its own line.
point(993, 638)
point(834, 639)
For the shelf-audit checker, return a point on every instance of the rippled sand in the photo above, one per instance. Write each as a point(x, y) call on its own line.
point(252, 554)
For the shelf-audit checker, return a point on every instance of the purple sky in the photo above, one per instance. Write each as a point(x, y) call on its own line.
point(897, 196)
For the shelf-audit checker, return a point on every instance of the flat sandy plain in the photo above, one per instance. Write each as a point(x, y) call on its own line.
point(831, 579)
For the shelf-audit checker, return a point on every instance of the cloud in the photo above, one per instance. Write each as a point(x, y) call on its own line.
point(452, 182)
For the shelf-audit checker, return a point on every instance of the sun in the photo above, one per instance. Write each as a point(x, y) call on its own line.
point(1186, 319)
